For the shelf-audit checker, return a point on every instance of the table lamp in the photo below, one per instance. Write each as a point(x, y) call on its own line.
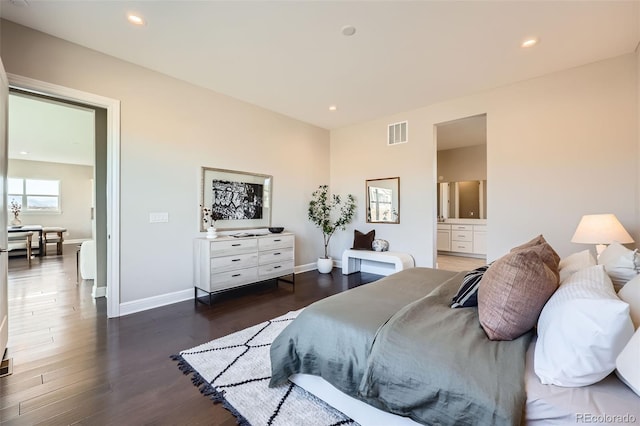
point(600, 229)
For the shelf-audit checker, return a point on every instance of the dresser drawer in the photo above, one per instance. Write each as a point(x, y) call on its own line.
point(232, 246)
point(462, 246)
point(461, 235)
point(278, 255)
point(274, 270)
point(442, 227)
point(275, 242)
point(231, 279)
point(462, 227)
point(230, 263)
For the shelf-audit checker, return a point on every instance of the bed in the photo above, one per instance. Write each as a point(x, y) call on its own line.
point(395, 348)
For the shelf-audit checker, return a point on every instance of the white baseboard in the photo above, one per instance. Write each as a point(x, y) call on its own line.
point(76, 241)
point(155, 301)
point(305, 268)
point(313, 266)
point(98, 291)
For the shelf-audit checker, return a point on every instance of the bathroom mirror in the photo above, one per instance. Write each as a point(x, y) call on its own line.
point(462, 200)
point(383, 200)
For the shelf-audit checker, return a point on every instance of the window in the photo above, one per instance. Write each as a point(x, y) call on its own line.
point(34, 195)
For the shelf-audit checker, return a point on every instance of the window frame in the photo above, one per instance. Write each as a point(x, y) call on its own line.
point(24, 196)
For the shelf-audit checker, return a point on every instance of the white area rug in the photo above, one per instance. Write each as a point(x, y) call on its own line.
point(236, 369)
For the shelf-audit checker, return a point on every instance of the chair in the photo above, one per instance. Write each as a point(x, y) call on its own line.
point(52, 235)
point(20, 241)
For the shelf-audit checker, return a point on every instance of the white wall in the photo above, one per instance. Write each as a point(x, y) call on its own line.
point(170, 129)
point(558, 147)
point(75, 195)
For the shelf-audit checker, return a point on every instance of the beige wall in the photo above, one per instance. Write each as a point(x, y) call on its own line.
point(558, 147)
point(460, 164)
point(75, 195)
point(169, 129)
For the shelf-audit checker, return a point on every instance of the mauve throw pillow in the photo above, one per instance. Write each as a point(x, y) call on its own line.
point(549, 255)
point(363, 241)
point(513, 292)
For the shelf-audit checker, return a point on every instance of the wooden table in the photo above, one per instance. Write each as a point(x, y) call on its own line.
point(58, 240)
point(30, 228)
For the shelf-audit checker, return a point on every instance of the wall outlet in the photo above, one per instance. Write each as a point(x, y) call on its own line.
point(160, 217)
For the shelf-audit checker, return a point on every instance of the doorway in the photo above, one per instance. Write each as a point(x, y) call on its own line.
point(107, 180)
point(461, 192)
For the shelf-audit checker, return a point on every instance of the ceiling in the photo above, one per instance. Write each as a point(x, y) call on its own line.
point(291, 56)
point(44, 130)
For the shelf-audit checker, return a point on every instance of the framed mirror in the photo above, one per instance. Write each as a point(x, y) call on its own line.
point(383, 200)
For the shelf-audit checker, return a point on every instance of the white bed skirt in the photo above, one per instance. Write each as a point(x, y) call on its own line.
point(362, 413)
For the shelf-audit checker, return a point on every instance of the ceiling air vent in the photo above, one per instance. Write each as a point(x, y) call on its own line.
point(398, 133)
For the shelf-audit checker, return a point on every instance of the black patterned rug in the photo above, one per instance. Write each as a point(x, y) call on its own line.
point(235, 370)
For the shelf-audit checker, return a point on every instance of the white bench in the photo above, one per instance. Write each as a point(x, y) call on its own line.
point(351, 260)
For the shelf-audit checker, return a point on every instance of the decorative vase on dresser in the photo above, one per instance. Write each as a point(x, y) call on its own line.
point(227, 262)
point(212, 232)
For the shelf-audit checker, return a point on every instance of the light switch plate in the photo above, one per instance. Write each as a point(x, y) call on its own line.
point(159, 217)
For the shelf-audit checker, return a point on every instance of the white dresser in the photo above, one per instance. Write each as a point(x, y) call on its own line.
point(226, 262)
point(465, 238)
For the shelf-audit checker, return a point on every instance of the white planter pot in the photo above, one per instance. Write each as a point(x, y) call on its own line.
point(325, 265)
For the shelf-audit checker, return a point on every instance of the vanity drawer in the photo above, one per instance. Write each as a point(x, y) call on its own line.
point(457, 235)
point(462, 246)
point(462, 227)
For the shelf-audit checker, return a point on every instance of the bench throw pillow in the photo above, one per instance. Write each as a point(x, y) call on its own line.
point(467, 295)
point(363, 241)
point(514, 290)
point(582, 329)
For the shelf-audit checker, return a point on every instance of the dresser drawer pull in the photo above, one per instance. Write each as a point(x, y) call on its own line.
point(236, 245)
point(277, 254)
point(236, 260)
point(235, 275)
point(276, 241)
point(276, 267)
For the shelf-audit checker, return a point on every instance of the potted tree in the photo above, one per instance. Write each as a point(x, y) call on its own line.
point(329, 213)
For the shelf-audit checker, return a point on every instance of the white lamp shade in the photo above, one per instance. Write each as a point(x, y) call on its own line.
point(600, 229)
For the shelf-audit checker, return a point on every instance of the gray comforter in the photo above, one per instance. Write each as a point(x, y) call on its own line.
point(395, 344)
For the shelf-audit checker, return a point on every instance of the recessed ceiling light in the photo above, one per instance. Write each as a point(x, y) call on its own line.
point(333, 108)
point(348, 30)
point(530, 42)
point(24, 153)
point(135, 19)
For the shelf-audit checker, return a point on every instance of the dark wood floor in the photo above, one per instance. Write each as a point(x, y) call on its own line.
point(73, 366)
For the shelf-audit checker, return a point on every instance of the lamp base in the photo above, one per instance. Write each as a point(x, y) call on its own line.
point(599, 249)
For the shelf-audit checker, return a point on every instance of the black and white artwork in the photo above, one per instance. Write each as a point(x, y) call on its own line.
point(236, 200)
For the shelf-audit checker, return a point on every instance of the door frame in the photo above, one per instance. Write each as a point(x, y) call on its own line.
point(113, 171)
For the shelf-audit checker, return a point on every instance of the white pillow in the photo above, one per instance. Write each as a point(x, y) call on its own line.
point(621, 264)
point(630, 293)
point(574, 262)
point(627, 367)
point(581, 330)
